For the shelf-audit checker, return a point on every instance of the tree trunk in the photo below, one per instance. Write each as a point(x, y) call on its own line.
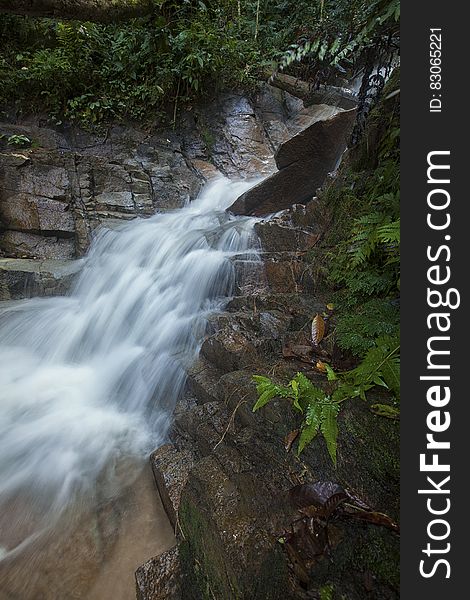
point(332, 95)
point(104, 11)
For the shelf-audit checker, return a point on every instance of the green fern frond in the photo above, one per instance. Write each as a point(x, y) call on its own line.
point(319, 410)
point(381, 362)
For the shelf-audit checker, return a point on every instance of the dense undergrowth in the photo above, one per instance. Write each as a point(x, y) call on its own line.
point(359, 255)
point(146, 68)
point(358, 261)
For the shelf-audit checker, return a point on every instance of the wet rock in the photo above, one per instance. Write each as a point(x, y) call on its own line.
point(202, 380)
point(31, 245)
point(304, 162)
point(240, 337)
point(24, 278)
point(228, 350)
point(26, 212)
point(299, 307)
point(228, 536)
point(322, 142)
point(278, 236)
point(56, 193)
point(160, 577)
point(250, 277)
point(232, 136)
point(287, 271)
point(171, 468)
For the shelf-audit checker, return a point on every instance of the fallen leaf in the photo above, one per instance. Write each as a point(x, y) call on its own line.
point(290, 439)
point(315, 494)
point(385, 410)
point(318, 329)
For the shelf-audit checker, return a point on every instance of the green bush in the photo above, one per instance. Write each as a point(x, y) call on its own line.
point(146, 68)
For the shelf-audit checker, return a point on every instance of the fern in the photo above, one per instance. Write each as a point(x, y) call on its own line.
point(319, 411)
point(335, 47)
point(267, 391)
point(380, 367)
point(372, 232)
point(357, 329)
point(329, 427)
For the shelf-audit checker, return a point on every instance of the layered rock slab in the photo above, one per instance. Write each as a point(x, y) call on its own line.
point(25, 278)
point(304, 161)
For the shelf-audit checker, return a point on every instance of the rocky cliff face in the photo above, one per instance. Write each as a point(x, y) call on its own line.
point(67, 183)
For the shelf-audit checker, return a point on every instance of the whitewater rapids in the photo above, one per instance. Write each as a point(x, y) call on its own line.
point(91, 379)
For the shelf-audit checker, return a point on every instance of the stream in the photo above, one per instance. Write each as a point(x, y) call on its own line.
point(88, 384)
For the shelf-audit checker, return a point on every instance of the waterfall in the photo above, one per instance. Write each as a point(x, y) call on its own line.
point(91, 379)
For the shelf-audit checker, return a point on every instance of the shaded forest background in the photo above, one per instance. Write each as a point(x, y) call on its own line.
point(145, 68)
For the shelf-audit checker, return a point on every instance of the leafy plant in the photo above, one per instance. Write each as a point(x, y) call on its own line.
point(17, 140)
point(326, 591)
point(343, 33)
point(360, 255)
point(320, 410)
point(379, 367)
point(150, 67)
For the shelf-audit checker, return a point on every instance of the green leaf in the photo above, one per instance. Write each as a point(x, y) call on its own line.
point(264, 398)
point(307, 434)
point(391, 375)
point(330, 374)
point(267, 390)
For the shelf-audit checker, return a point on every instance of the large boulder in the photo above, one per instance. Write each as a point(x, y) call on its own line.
point(304, 161)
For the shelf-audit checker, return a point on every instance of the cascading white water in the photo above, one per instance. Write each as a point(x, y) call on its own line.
point(90, 379)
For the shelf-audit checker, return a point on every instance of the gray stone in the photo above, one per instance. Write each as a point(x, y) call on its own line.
point(322, 142)
point(24, 278)
point(29, 245)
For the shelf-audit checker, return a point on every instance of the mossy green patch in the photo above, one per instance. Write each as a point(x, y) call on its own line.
point(206, 572)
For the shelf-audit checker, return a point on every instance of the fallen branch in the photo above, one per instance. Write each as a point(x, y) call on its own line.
point(334, 96)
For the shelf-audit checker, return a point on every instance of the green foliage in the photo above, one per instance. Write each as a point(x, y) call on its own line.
point(359, 326)
point(342, 33)
point(17, 140)
point(379, 367)
point(360, 256)
point(326, 592)
point(147, 67)
point(319, 411)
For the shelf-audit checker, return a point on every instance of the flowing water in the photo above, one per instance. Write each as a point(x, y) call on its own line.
point(88, 382)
